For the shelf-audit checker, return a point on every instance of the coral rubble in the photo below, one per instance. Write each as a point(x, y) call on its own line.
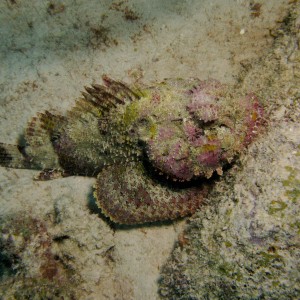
point(29, 266)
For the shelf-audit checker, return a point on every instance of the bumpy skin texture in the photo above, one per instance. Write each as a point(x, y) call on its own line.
point(143, 142)
point(128, 195)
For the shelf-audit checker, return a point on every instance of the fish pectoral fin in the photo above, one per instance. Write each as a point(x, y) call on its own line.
point(128, 195)
point(49, 174)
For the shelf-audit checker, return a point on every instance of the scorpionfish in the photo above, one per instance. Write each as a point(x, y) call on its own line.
point(152, 149)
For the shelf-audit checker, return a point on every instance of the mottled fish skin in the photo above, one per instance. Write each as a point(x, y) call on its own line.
point(149, 147)
point(130, 195)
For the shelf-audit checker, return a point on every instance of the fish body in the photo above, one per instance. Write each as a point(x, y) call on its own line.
point(151, 148)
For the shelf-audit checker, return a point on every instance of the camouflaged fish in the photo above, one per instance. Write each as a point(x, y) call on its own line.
point(152, 148)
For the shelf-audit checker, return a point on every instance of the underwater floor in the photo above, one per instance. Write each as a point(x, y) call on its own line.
point(243, 243)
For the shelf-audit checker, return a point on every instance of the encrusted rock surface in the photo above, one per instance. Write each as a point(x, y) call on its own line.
point(54, 256)
point(245, 244)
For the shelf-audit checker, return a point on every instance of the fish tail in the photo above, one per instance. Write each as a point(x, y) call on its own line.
point(38, 152)
point(14, 156)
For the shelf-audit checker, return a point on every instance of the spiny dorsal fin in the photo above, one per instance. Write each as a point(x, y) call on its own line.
point(84, 106)
point(101, 97)
point(109, 95)
point(120, 89)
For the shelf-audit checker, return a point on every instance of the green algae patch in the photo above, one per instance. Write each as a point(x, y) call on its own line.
point(298, 153)
point(228, 270)
point(228, 244)
point(266, 259)
point(225, 269)
point(292, 184)
point(277, 206)
point(131, 114)
point(229, 212)
point(275, 283)
point(153, 130)
point(296, 225)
